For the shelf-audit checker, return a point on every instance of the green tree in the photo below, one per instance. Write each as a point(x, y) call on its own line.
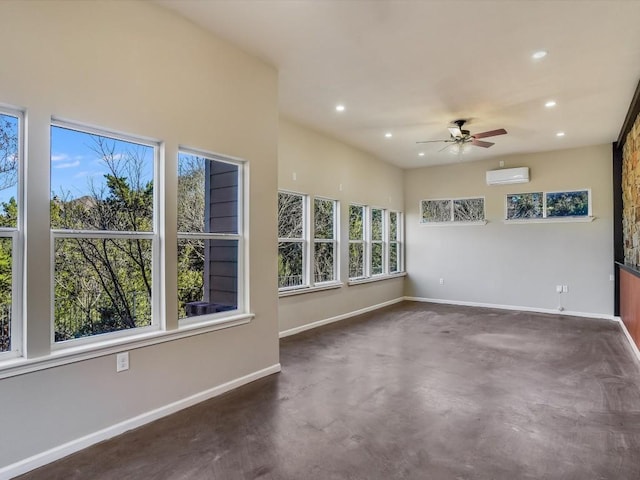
point(191, 200)
point(290, 226)
point(103, 284)
point(9, 155)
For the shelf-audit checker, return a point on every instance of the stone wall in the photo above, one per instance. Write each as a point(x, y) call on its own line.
point(631, 195)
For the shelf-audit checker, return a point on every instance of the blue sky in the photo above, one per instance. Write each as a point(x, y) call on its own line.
point(11, 125)
point(76, 165)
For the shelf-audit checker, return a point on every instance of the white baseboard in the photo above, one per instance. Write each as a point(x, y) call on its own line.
point(513, 307)
point(73, 446)
point(634, 347)
point(319, 323)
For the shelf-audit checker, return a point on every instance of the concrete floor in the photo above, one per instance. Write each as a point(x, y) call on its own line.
point(414, 391)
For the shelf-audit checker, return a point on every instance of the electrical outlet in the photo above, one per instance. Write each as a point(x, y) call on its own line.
point(611, 278)
point(442, 281)
point(565, 289)
point(558, 288)
point(501, 163)
point(122, 362)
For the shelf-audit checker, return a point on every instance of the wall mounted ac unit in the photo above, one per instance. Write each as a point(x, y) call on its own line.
point(505, 176)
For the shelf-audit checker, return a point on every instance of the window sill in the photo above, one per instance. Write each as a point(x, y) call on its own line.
point(377, 278)
point(315, 288)
point(551, 220)
point(63, 356)
point(453, 224)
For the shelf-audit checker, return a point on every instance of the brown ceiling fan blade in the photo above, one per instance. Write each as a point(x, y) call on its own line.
point(491, 133)
point(434, 141)
point(480, 143)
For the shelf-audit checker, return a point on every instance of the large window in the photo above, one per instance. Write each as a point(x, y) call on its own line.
point(378, 241)
point(325, 240)
point(395, 242)
point(307, 247)
point(292, 249)
point(10, 159)
point(210, 236)
point(375, 243)
point(357, 241)
point(103, 229)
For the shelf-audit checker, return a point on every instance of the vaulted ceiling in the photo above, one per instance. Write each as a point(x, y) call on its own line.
point(409, 68)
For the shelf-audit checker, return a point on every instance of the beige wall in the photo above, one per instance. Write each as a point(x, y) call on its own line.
point(516, 265)
point(139, 69)
point(321, 166)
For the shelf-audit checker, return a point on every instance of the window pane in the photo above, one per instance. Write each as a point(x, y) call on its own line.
point(100, 183)
point(356, 217)
point(524, 205)
point(356, 260)
point(568, 204)
point(393, 226)
point(207, 195)
point(323, 218)
point(376, 224)
point(101, 285)
point(207, 276)
point(376, 259)
point(435, 211)
point(468, 210)
point(5, 293)
point(324, 262)
point(290, 264)
point(290, 215)
point(393, 258)
point(9, 156)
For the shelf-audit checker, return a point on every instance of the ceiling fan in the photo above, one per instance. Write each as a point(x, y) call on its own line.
point(461, 138)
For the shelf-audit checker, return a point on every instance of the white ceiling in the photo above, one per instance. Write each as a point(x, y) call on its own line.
point(411, 67)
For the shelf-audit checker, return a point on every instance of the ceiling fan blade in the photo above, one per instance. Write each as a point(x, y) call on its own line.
point(491, 133)
point(455, 131)
point(434, 141)
point(480, 143)
point(445, 147)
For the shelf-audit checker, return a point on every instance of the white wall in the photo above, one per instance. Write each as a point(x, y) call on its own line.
point(136, 68)
point(516, 265)
point(321, 165)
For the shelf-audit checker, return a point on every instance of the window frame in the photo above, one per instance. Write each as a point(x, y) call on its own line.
point(368, 242)
point(239, 237)
point(383, 242)
point(157, 319)
point(451, 220)
point(545, 217)
point(333, 241)
point(309, 241)
point(398, 241)
point(361, 241)
point(304, 240)
point(16, 234)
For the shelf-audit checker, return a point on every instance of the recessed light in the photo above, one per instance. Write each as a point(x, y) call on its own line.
point(550, 104)
point(539, 54)
point(340, 108)
point(560, 134)
point(388, 135)
point(421, 154)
